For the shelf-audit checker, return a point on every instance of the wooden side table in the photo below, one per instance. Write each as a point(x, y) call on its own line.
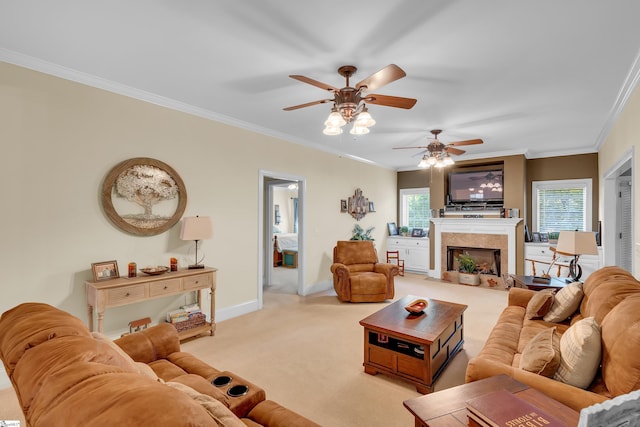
point(539, 283)
point(448, 407)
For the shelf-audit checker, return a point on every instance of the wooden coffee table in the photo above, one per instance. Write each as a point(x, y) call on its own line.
point(447, 407)
point(412, 347)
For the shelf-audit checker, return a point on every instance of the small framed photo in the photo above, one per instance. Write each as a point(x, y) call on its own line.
point(105, 270)
point(544, 237)
point(535, 237)
point(371, 207)
point(343, 205)
point(417, 232)
point(393, 229)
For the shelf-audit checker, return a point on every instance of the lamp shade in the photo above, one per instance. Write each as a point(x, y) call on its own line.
point(196, 228)
point(577, 243)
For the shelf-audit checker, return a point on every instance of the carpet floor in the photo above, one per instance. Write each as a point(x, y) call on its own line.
point(307, 353)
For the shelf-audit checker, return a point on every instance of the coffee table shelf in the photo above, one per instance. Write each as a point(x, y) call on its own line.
point(393, 339)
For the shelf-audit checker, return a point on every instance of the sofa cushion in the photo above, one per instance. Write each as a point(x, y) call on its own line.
point(220, 413)
point(620, 344)
point(32, 324)
point(542, 354)
point(580, 353)
point(601, 297)
point(540, 304)
point(565, 303)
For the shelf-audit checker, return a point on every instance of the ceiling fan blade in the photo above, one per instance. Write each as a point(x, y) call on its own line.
point(388, 74)
point(390, 101)
point(402, 148)
point(312, 82)
point(467, 142)
point(308, 104)
point(452, 150)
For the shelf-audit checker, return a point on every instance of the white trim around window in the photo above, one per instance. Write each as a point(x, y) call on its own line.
point(562, 184)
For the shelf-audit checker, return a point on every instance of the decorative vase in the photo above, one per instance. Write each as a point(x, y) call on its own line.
point(472, 279)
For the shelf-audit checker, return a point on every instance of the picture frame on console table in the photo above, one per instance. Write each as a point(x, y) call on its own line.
point(105, 270)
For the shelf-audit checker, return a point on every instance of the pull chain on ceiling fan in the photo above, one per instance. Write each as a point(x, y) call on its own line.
point(349, 103)
point(437, 154)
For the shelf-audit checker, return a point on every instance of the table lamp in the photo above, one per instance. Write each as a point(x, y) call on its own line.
point(576, 243)
point(196, 228)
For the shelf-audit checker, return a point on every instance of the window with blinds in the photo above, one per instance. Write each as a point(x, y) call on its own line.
point(561, 205)
point(415, 210)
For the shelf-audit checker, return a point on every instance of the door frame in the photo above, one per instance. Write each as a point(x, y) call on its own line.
point(265, 248)
point(610, 216)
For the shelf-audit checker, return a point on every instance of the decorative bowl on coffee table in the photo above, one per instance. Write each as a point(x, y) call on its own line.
point(416, 306)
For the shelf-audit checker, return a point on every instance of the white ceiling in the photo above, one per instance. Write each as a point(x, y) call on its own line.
point(542, 77)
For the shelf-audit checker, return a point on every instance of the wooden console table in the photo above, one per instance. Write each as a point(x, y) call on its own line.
point(124, 290)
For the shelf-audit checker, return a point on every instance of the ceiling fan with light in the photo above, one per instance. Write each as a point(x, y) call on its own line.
point(437, 154)
point(349, 103)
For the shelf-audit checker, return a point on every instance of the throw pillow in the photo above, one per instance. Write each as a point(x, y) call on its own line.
point(541, 355)
point(580, 353)
point(565, 303)
point(540, 304)
point(220, 413)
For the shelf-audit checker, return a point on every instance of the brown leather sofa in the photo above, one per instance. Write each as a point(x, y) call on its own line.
point(65, 375)
point(612, 297)
point(357, 274)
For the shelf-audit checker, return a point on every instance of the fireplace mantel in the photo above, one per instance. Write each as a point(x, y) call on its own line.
point(499, 226)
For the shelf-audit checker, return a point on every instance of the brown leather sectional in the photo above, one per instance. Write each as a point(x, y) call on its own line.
point(66, 376)
point(612, 297)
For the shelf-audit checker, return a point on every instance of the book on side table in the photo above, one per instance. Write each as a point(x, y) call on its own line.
point(503, 409)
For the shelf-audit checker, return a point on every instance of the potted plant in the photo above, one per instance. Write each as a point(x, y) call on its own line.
point(404, 230)
point(358, 233)
point(467, 274)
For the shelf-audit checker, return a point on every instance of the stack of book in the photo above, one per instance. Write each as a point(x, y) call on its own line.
point(503, 409)
point(186, 317)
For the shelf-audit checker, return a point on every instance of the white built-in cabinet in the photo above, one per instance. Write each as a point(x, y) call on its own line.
point(413, 250)
point(541, 252)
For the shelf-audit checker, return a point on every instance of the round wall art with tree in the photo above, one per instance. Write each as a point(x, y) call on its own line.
point(144, 196)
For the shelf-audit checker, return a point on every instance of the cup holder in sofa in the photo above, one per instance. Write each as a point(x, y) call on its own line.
point(238, 390)
point(221, 381)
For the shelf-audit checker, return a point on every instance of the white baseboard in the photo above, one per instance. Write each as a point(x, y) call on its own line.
point(237, 310)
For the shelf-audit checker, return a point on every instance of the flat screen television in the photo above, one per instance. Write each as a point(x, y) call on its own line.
point(476, 187)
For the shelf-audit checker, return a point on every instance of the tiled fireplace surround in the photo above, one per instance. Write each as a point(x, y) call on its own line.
point(485, 233)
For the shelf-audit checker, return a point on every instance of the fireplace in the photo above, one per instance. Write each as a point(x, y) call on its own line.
point(484, 233)
point(487, 260)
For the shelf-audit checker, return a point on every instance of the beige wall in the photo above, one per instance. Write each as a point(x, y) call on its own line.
point(60, 139)
point(623, 139)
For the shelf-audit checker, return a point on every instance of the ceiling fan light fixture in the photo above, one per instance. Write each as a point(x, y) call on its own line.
point(447, 161)
point(335, 120)
point(424, 164)
point(332, 130)
point(364, 119)
point(359, 130)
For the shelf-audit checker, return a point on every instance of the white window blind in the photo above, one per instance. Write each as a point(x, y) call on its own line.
point(415, 210)
point(562, 205)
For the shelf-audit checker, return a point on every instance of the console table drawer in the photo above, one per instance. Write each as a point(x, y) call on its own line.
point(165, 287)
point(126, 295)
point(196, 282)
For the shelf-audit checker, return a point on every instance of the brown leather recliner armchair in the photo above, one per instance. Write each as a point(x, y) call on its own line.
point(357, 274)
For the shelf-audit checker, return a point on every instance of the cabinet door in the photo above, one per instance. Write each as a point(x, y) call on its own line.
point(417, 256)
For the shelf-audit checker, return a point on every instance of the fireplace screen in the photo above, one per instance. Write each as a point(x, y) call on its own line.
point(487, 260)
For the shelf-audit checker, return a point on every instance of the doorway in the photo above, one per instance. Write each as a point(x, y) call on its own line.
point(281, 215)
point(617, 233)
